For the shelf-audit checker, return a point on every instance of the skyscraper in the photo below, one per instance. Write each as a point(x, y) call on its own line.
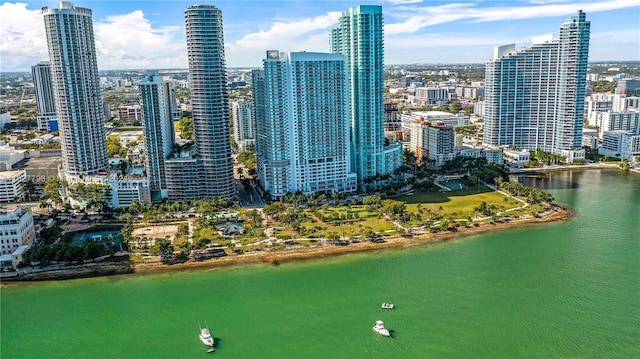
point(156, 99)
point(535, 97)
point(74, 74)
point(302, 113)
point(359, 36)
point(210, 99)
point(244, 124)
point(43, 87)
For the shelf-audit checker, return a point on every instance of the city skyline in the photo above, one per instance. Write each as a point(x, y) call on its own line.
point(148, 35)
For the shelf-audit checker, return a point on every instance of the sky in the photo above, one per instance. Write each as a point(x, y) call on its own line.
point(149, 34)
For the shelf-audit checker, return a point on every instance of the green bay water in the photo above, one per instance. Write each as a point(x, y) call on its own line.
point(562, 290)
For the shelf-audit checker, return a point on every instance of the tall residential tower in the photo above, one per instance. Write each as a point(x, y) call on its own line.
point(74, 75)
point(156, 98)
point(303, 124)
point(210, 99)
point(359, 37)
point(535, 97)
point(43, 87)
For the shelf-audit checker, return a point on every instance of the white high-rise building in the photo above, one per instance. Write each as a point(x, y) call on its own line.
point(302, 116)
point(156, 98)
point(41, 73)
point(535, 97)
point(76, 90)
point(244, 124)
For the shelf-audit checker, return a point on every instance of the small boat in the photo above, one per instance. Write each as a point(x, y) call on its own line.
point(387, 306)
point(207, 339)
point(380, 329)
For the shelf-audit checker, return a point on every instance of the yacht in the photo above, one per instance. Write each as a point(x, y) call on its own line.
point(380, 329)
point(387, 306)
point(206, 338)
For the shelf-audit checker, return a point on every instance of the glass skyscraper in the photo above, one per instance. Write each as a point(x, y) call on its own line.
point(210, 99)
point(535, 97)
point(359, 37)
point(76, 89)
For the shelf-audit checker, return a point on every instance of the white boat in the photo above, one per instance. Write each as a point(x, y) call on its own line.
point(206, 338)
point(380, 329)
point(387, 306)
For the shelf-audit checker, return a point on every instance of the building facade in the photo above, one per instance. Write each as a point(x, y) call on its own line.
point(17, 230)
point(11, 185)
point(130, 113)
point(621, 144)
point(43, 88)
point(76, 90)
point(433, 141)
point(534, 98)
point(159, 133)
point(244, 124)
point(210, 100)
point(359, 37)
point(304, 124)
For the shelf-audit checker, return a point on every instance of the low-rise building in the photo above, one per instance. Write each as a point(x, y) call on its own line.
point(9, 157)
point(17, 232)
point(11, 183)
point(492, 154)
point(517, 159)
point(621, 144)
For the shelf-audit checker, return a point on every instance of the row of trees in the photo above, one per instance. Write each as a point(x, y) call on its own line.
point(548, 158)
point(66, 252)
point(533, 195)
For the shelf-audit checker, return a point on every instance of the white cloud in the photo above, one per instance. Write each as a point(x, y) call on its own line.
point(397, 2)
point(22, 38)
point(416, 18)
point(122, 41)
point(309, 34)
point(129, 41)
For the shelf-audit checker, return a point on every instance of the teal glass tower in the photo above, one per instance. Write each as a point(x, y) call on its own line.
point(359, 37)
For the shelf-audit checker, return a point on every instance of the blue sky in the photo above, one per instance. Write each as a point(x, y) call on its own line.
point(150, 34)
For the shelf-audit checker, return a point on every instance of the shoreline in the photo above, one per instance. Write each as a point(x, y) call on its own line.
point(558, 213)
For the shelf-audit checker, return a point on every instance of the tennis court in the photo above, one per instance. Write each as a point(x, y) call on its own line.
point(101, 236)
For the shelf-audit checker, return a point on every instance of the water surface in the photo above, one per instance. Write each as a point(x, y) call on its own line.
point(569, 289)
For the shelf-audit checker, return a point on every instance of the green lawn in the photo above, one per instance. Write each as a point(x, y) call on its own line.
point(463, 201)
point(127, 128)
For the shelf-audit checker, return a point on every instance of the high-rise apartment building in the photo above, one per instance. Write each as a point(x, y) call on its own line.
point(74, 75)
point(433, 140)
point(156, 99)
point(244, 124)
point(359, 37)
point(302, 114)
point(535, 97)
point(41, 73)
point(210, 100)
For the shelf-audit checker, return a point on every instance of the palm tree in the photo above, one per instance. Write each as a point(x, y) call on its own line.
point(27, 189)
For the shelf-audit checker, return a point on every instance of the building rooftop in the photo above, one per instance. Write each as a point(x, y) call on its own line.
point(43, 162)
point(9, 174)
